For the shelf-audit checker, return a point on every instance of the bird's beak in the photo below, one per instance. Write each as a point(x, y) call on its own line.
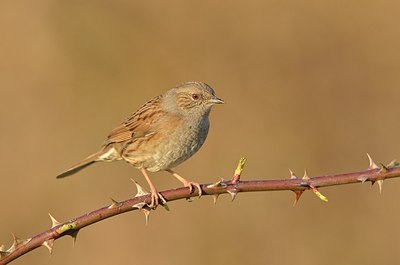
point(216, 100)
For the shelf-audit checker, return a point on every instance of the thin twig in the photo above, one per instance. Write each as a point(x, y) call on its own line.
point(233, 187)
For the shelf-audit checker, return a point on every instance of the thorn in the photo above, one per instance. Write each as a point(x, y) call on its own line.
point(163, 200)
point(114, 204)
point(392, 164)
point(165, 205)
point(298, 194)
point(363, 179)
point(54, 222)
point(372, 183)
point(49, 245)
point(16, 239)
point(146, 214)
point(292, 175)
point(380, 184)
point(18, 242)
point(3, 251)
point(215, 198)
point(233, 194)
point(140, 190)
point(74, 235)
point(218, 184)
point(372, 164)
point(305, 176)
point(139, 205)
point(383, 169)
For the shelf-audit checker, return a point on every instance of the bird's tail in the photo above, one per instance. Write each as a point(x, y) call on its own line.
point(102, 155)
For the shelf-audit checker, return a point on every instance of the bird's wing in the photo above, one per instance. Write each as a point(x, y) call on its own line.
point(139, 124)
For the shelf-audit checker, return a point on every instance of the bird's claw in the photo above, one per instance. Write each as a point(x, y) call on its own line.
point(191, 184)
point(156, 197)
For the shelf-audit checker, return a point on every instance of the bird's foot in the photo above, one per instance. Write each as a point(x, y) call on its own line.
point(186, 183)
point(155, 200)
point(191, 186)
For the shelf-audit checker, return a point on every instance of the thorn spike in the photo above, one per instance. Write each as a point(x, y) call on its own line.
point(139, 205)
point(15, 239)
point(305, 176)
point(362, 179)
point(298, 194)
point(3, 251)
point(215, 198)
point(292, 175)
point(165, 206)
point(383, 169)
point(380, 185)
point(49, 245)
point(74, 236)
point(392, 164)
point(233, 194)
point(218, 184)
point(16, 243)
point(114, 204)
point(140, 190)
point(372, 164)
point(163, 200)
point(54, 222)
point(146, 214)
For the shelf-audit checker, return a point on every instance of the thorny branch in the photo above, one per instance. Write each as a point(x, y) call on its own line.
point(142, 199)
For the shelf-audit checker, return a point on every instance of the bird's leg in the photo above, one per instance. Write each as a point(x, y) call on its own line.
point(185, 182)
point(155, 196)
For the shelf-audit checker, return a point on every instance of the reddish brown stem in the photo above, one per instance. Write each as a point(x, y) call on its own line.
point(233, 186)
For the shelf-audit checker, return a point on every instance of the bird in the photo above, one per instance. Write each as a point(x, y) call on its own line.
point(163, 133)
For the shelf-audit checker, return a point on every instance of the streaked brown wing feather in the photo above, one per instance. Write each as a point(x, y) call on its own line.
point(138, 124)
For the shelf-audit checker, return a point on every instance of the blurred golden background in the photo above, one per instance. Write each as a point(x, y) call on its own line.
point(307, 84)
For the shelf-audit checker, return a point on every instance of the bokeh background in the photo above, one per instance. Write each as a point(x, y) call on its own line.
point(307, 84)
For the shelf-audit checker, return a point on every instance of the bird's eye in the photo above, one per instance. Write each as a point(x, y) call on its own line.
point(195, 96)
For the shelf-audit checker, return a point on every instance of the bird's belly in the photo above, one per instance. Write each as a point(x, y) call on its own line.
point(168, 150)
point(171, 153)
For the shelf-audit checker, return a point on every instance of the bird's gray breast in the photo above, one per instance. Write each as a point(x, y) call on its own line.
point(181, 144)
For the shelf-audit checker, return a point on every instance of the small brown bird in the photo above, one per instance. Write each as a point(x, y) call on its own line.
point(163, 133)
